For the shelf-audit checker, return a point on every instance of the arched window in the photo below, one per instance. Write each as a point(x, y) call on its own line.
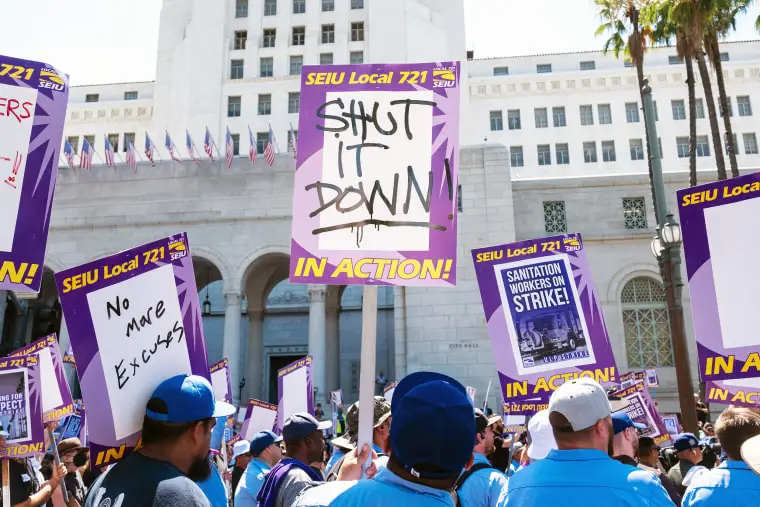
point(645, 323)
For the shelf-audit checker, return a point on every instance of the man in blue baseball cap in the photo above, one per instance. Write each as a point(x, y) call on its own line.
point(580, 471)
point(625, 444)
point(432, 438)
point(176, 436)
point(266, 452)
point(689, 453)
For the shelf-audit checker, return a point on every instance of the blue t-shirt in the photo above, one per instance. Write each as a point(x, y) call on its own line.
point(139, 481)
point(730, 484)
point(214, 489)
point(483, 487)
point(588, 476)
point(251, 482)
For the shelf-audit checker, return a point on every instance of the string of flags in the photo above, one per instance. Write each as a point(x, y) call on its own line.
point(111, 156)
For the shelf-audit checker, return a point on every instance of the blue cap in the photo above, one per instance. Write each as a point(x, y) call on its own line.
point(622, 421)
point(685, 441)
point(262, 440)
point(187, 398)
point(433, 429)
point(301, 425)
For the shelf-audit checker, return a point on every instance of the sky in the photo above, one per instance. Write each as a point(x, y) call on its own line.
point(109, 41)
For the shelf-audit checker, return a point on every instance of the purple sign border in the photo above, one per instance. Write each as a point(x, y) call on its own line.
point(224, 363)
point(249, 412)
point(699, 270)
point(498, 330)
point(733, 392)
point(304, 362)
point(443, 209)
point(30, 239)
point(67, 405)
point(76, 311)
point(639, 388)
point(36, 443)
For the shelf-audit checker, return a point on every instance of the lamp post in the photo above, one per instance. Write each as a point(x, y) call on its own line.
point(666, 248)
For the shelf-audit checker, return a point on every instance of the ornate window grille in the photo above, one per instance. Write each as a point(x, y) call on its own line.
point(555, 220)
point(645, 324)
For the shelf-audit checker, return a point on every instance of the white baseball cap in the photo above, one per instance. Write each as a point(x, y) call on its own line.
point(751, 453)
point(582, 401)
point(241, 447)
point(541, 436)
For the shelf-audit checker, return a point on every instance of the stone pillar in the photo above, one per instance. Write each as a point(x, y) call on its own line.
point(332, 350)
point(317, 341)
point(399, 345)
point(232, 339)
point(255, 362)
point(3, 305)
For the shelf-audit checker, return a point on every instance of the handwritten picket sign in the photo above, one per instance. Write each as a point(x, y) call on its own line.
point(33, 100)
point(21, 406)
point(543, 316)
point(134, 320)
point(376, 175)
point(56, 396)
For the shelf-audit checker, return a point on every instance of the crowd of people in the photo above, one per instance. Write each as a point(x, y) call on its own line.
point(430, 447)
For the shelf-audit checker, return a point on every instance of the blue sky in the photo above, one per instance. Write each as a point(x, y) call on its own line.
point(108, 41)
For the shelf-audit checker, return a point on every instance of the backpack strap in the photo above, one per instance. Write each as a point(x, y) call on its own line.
point(466, 475)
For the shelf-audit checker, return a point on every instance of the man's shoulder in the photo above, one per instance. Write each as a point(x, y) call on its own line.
point(179, 491)
point(324, 494)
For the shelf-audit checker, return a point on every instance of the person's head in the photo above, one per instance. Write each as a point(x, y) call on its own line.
point(540, 436)
point(340, 409)
point(433, 430)
point(303, 437)
point(734, 426)
point(72, 453)
point(265, 445)
point(381, 423)
point(687, 447)
point(580, 416)
point(179, 419)
point(696, 399)
point(241, 453)
point(708, 429)
point(319, 406)
point(484, 434)
point(626, 440)
point(649, 452)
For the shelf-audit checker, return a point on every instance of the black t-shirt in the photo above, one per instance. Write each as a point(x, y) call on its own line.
point(237, 473)
point(139, 481)
point(75, 486)
point(23, 483)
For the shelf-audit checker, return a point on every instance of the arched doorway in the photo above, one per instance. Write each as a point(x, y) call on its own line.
point(210, 285)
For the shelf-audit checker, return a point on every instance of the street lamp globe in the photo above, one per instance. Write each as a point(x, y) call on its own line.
point(657, 247)
point(671, 232)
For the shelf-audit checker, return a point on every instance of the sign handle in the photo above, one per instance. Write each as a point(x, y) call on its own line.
point(367, 371)
point(6, 482)
point(57, 460)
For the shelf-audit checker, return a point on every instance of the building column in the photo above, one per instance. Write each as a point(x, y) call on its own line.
point(317, 341)
point(3, 306)
point(332, 350)
point(232, 339)
point(255, 369)
point(399, 344)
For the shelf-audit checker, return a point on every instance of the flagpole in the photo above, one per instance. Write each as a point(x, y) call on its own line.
point(274, 138)
point(97, 155)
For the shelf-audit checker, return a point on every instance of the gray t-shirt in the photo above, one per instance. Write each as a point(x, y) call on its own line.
point(139, 481)
point(295, 481)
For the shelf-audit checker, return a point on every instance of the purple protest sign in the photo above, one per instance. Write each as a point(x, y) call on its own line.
point(295, 387)
point(527, 407)
point(376, 177)
point(134, 321)
point(720, 259)
point(543, 316)
point(259, 416)
point(743, 392)
point(220, 380)
point(33, 99)
point(641, 409)
point(21, 406)
point(56, 396)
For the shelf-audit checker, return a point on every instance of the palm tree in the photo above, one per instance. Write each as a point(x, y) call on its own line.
point(691, 16)
point(659, 15)
point(622, 18)
point(722, 20)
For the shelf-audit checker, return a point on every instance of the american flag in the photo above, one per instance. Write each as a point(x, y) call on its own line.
point(269, 149)
point(293, 141)
point(68, 151)
point(191, 147)
point(208, 145)
point(85, 158)
point(131, 155)
point(230, 149)
point(109, 154)
point(172, 148)
point(252, 148)
point(149, 148)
